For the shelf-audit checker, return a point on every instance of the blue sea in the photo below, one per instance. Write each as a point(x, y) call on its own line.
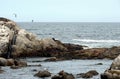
point(90, 34)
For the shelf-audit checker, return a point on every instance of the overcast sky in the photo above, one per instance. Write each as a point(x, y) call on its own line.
point(61, 10)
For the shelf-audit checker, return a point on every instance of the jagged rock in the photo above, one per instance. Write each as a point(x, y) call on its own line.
point(22, 43)
point(114, 71)
point(43, 74)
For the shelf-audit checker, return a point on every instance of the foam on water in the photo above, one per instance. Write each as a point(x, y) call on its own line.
point(89, 34)
point(97, 41)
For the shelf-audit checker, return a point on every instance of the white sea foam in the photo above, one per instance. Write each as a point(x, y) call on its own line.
point(96, 41)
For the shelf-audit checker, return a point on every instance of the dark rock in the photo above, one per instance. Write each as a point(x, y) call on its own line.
point(20, 63)
point(10, 62)
point(1, 71)
point(88, 74)
point(73, 47)
point(34, 65)
point(34, 70)
point(99, 64)
point(63, 75)
point(51, 59)
point(15, 67)
point(43, 74)
point(56, 77)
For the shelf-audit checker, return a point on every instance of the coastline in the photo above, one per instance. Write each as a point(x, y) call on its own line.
point(21, 43)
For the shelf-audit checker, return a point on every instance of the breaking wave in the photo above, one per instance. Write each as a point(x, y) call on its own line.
point(96, 41)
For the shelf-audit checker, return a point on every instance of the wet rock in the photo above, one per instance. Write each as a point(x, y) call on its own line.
point(34, 70)
point(15, 67)
point(56, 77)
point(43, 74)
point(34, 65)
point(63, 75)
point(88, 74)
point(1, 71)
point(20, 63)
point(10, 62)
point(111, 53)
point(99, 64)
point(114, 71)
point(51, 59)
point(3, 61)
point(73, 47)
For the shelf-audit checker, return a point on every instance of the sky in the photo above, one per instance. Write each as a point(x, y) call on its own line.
point(61, 10)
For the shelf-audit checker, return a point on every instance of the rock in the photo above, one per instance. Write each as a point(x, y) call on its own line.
point(1, 71)
point(10, 62)
point(114, 71)
point(56, 77)
point(20, 63)
point(88, 74)
point(3, 61)
point(15, 67)
point(73, 47)
point(34, 70)
point(99, 64)
point(43, 74)
point(63, 75)
point(34, 65)
point(51, 59)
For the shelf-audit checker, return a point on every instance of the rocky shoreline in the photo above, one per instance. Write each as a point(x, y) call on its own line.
point(16, 42)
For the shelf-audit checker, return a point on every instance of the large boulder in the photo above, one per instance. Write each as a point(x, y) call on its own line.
point(20, 43)
point(114, 71)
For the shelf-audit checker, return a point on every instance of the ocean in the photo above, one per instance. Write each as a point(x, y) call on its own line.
point(91, 34)
point(88, 34)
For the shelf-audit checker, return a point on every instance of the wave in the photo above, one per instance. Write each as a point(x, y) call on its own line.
point(97, 41)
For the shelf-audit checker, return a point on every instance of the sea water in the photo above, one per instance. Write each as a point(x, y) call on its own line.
point(88, 34)
point(71, 66)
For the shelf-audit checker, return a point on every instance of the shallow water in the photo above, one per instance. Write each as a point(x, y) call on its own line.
point(70, 66)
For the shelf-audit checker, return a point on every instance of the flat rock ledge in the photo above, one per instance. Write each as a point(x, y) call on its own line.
point(16, 42)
